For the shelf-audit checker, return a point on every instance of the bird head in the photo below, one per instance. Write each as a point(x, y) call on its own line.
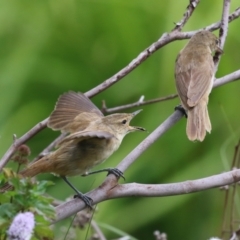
point(120, 123)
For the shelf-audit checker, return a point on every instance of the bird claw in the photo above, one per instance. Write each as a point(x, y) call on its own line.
point(181, 109)
point(116, 172)
point(87, 200)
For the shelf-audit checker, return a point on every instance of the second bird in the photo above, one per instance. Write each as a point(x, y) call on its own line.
point(194, 75)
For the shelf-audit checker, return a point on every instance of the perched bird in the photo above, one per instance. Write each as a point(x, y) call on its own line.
point(194, 75)
point(93, 138)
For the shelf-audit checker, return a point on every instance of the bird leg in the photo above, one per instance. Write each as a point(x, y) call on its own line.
point(181, 109)
point(114, 171)
point(87, 200)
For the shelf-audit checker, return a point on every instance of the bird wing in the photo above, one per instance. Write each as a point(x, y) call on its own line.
point(195, 81)
point(86, 135)
point(68, 106)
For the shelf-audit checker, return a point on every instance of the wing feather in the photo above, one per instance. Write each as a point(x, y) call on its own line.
point(68, 106)
point(86, 135)
point(193, 80)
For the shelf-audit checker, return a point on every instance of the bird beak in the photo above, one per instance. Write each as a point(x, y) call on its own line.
point(219, 50)
point(135, 128)
point(136, 112)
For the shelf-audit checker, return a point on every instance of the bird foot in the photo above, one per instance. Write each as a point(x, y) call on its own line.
point(87, 200)
point(181, 109)
point(116, 172)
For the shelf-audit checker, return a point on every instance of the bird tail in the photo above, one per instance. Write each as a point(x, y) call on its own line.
point(31, 170)
point(198, 122)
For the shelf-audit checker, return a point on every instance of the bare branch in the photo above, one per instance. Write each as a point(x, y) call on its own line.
point(160, 190)
point(98, 230)
point(231, 17)
point(108, 191)
point(224, 22)
point(136, 104)
point(17, 142)
point(190, 8)
point(226, 79)
point(222, 31)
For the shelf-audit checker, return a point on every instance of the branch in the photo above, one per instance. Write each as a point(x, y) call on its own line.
point(224, 22)
point(140, 102)
point(98, 231)
point(190, 8)
point(108, 191)
point(223, 31)
point(170, 189)
point(227, 79)
point(17, 142)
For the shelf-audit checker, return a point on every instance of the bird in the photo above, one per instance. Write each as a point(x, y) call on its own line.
point(92, 139)
point(194, 76)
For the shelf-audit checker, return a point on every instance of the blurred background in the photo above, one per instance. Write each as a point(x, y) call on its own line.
point(50, 47)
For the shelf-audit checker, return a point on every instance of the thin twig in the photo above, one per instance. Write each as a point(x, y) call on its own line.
point(98, 230)
point(190, 8)
point(136, 104)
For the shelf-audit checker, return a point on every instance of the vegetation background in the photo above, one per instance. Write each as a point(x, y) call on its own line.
point(50, 47)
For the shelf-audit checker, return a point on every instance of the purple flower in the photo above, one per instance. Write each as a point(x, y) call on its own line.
point(21, 227)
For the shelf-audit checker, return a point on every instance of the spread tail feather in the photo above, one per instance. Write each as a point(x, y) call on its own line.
point(198, 122)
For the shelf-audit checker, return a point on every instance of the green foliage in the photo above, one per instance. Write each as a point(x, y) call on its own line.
point(26, 196)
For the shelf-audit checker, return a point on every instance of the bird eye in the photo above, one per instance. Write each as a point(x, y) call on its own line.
point(217, 41)
point(124, 121)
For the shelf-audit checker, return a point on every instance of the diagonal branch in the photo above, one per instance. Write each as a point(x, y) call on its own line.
point(17, 142)
point(189, 11)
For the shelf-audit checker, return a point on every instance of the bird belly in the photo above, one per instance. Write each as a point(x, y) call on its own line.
point(84, 155)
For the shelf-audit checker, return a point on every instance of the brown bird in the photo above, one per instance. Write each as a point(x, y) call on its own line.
point(93, 138)
point(194, 75)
